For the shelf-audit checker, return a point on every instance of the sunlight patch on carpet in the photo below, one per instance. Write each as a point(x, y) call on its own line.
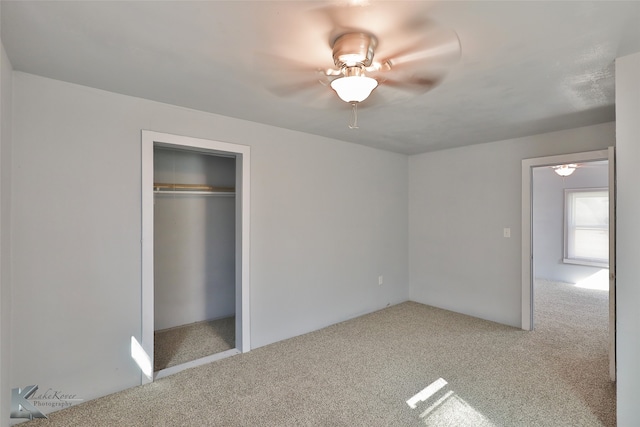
point(597, 281)
point(426, 392)
point(446, 408)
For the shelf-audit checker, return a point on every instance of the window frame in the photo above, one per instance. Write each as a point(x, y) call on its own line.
point(593, 262)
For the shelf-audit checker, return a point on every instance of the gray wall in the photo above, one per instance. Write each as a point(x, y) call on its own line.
point(548, 220)
point(194, 240)
point(5, 233)
point(628, 237)
point(327, 218)
point(460, 200)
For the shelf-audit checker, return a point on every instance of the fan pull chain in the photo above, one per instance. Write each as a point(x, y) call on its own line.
point(354, 116)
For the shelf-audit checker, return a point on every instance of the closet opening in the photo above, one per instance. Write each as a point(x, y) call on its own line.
point(195, 251)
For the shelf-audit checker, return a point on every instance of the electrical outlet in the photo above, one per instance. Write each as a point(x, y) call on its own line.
point(380, 280)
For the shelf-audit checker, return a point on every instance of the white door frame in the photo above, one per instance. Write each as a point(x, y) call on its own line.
point(241, 153)
point(612, 264)
point(527, 235)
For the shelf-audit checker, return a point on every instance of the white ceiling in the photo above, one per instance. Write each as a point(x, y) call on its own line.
point(526, 67)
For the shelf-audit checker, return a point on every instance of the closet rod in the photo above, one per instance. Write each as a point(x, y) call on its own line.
point(199, 193)
point(179, 188)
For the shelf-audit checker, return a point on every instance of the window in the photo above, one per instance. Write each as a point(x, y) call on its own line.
point(587, 227)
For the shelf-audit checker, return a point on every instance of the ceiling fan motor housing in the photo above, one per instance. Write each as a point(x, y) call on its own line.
point(354, 49)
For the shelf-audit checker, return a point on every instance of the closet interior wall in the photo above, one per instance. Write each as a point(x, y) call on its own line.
point(194, 240)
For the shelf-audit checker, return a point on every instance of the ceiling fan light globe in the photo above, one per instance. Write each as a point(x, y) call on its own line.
point(354, 88)
point(565, 170)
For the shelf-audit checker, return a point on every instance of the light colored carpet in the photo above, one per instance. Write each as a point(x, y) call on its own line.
point(572, 330)
point(183, 344)
point(462, 371)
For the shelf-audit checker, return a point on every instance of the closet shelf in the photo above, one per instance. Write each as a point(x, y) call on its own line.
point(209, 190)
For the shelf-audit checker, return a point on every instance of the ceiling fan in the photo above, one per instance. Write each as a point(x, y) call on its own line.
point(358, 72)
point(370, 52)
point(565, 170)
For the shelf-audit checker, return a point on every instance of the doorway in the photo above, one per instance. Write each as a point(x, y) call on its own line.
point(528, 261)
point(171, 154)
point(194, 256)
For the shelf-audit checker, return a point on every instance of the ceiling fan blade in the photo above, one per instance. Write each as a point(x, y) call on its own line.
point(386, 20)
point(272, 63)
point(336, 19)
point(286, 77)
point(441, 48)
point(412, 84)
point(296, 89)
point(316, 96)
